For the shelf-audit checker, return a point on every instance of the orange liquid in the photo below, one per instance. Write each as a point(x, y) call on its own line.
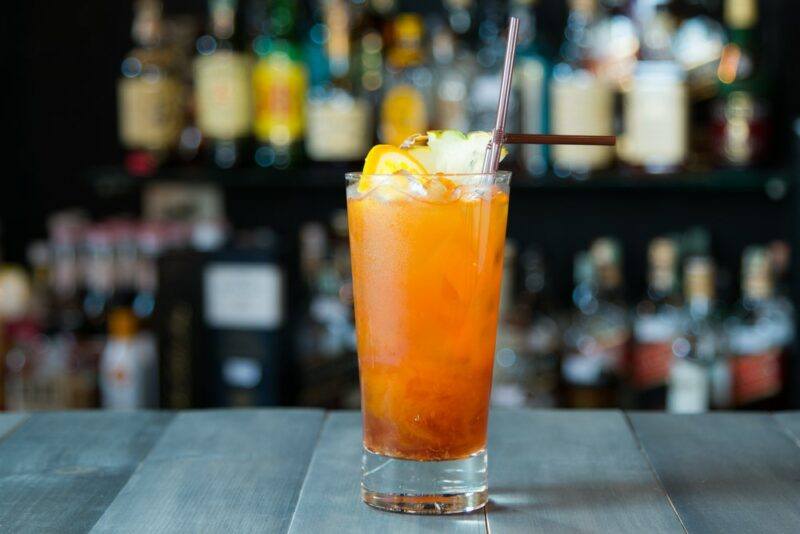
point(426, 286)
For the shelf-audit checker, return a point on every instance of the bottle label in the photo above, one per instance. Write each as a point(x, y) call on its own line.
point(279, 89)
point(243, 296)
point(656, 124)
point(403, 113)
point(122, 377)
point(689, 388)
point(650, 364)
point(756, 376)
point(222, 93)
point(150, 113)
point(581, 104)
point(337, 129)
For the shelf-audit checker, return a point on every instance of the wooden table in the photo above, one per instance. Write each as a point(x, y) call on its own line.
point(237, 471)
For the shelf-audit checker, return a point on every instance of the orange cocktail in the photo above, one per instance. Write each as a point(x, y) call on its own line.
point(427, 256)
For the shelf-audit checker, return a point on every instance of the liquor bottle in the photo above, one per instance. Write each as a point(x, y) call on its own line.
point(180, 36)
point(39, 256)
point(656, 137)
point(149, 94)
point(65, 232)
point(454, 67)
point(98, 278)
point(542, 338)
point(368, 48)
point(697, 46)
point(593, 341)
point(280, 82)
point(406, 105)
point(656, 326)
point(699, 375)
point(580, 101)
point(125, 249)
point(741, 123)
point(244, 319)
point(485, 87)
point(19, 335)
point(531, 80)
point(338, 117)
point(512, 376)
point(222, 85)
point(615, 329)
point(614, 42)
point(755, 335)
point(128, 379)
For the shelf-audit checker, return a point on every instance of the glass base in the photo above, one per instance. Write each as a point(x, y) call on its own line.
point(416, 487)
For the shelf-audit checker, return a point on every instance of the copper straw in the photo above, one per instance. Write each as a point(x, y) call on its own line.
point(492, 158)
point(531, 139)
point(550, 139)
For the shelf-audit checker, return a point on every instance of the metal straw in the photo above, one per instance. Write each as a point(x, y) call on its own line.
point(492, 159)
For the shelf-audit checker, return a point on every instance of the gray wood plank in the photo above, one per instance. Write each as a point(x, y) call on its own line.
point(790, 422)
point(725, 472)
point(330, 500)
point(59, 471)
point(576, 471)
point(219, 471)
point(10, 422)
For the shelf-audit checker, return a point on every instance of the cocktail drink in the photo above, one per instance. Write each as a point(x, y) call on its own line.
point(427, 255)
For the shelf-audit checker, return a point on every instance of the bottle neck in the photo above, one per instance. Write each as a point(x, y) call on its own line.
point(223, 19)
point(338, 42)
point(575, 50)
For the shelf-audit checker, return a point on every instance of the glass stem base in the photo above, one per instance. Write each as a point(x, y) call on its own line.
point(418, 487)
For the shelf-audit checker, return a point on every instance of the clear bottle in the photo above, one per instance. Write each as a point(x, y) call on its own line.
point(581, 102)
point(511, 378)
point(222, 85)
point(485, 87)
point(656, 326)
point(756, 335)
point(98, 277)
point(407, 98)
point(338, 116)
point(454, 67)
point(595, 339)
point(699, 376)
point(280, 83)
point(543, 334)
point(531, 78)
point(369, 47)
point(149, 94)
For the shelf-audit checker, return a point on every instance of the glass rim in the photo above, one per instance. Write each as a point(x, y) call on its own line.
point(497, 177)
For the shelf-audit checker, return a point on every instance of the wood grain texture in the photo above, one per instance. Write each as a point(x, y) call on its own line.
point(330, 500)
point(725, 472)
point(571, 471)
point(790, 422)
point(10, 422)
point(232, 471)
point(59, 471)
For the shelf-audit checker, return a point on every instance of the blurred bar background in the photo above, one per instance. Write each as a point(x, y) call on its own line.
point(172, 231)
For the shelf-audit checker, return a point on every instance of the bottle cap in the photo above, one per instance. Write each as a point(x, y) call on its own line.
point(741, 14)
point(122, 323)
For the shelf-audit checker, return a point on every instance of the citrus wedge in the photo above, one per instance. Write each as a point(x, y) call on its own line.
point(389, 159)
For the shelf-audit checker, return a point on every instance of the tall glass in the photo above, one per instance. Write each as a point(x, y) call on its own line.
point(427, 258)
